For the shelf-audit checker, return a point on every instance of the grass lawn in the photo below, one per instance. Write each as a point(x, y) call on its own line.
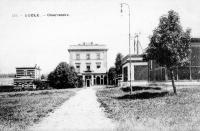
point(152, 108)
point(19, 110)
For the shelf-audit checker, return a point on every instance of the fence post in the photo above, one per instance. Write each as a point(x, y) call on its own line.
point(190, 70)
point(177, 74)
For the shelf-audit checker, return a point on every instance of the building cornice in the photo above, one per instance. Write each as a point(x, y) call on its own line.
point(69, 50)
point(134, 61)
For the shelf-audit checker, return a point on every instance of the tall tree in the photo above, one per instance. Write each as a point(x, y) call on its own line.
point(112, 75)
point(118, 63)
point(118, 67)
point(64, 76)
point(169, 45)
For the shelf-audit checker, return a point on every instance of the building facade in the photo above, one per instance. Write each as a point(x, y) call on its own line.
point(25, 76)
point(90, 62)
point(139, 70)
point(191, 71)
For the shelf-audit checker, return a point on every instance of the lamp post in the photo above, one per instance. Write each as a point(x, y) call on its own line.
point(129, 38)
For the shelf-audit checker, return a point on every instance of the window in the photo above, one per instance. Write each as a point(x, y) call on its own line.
point(98, 56)
point(88, 67)
point(78, 67)
point(98, 65)
point(30, 73)
point(87, 56)
point(125, 73)
point(78, 56)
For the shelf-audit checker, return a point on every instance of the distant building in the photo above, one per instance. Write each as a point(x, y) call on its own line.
point(187, 72)
point(139, 70)
point(90, 62)
point(25, 76)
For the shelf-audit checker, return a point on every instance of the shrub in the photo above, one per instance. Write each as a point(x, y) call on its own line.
point(80, 82)
point(64, 76)
point(40, 85)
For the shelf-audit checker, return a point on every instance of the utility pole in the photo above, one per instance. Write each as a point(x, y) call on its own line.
point(129, 39)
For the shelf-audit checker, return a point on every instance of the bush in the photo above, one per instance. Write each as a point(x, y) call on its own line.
point(80, 82)
point(64, 76)
point(40, 85)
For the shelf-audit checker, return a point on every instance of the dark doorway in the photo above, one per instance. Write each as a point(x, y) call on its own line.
point(98, 80)
point(88, 83)
point(105, 80)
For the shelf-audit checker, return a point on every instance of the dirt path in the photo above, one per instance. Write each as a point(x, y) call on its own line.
point(80, 113)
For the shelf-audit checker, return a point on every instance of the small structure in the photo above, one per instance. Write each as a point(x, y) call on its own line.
point(90, 62)
point(139, 70)
point(139, 67)
point(25, 77)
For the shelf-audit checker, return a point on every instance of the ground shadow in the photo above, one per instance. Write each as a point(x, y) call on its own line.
point(111, 86)
point(143, 95)
point(137, 88)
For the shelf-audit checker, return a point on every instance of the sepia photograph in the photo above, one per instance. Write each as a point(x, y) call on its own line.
point(99, 65)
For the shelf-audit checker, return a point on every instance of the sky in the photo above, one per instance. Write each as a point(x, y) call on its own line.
point(44, 40)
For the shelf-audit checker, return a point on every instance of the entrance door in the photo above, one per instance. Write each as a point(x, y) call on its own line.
point(88, 83)
point(98, 80)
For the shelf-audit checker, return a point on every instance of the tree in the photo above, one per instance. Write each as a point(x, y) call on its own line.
point(118, 65)
point(80, 81)
point(112, 76)
point(40, 85)
point(64, 76)
point(169, 45)
point(42, 77)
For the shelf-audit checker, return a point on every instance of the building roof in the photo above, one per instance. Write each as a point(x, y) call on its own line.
point(29, 67)
point(87, 46)
point(134, 58)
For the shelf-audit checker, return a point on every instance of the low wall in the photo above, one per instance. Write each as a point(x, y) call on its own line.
point(165, 83)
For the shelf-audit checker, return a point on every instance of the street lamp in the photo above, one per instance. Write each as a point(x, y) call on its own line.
point(129, 37)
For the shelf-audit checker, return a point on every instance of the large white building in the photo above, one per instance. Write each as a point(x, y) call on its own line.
point(90, 62)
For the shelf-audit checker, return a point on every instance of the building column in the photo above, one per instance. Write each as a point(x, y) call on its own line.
point(103, 80)
point(100, 80)
point(92, 77)
point(84, 84)
point(133, 72)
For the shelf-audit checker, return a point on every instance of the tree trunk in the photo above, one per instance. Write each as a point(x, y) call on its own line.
point(166, 76)
point(173, 84)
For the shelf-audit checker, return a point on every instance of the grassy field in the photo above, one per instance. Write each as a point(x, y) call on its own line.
point(152, 108)
point(19, 110)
